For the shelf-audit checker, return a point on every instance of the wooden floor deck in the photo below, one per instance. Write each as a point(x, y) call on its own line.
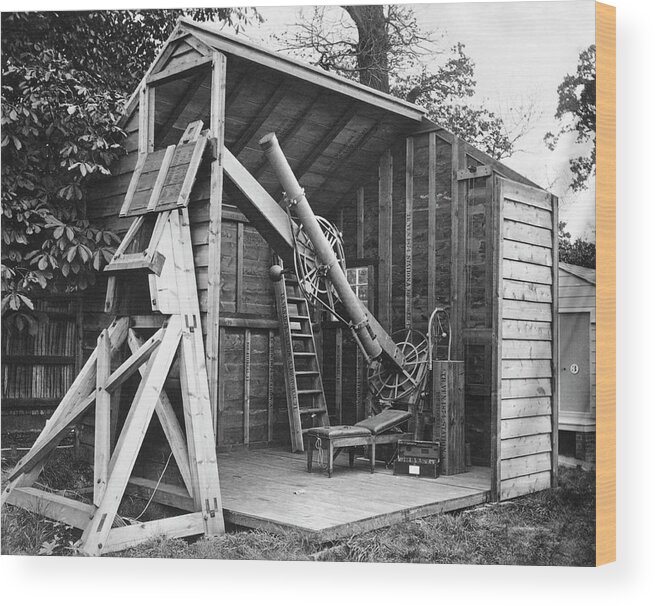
point(271, 489)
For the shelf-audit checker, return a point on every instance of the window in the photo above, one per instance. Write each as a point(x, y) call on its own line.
point(358, 278)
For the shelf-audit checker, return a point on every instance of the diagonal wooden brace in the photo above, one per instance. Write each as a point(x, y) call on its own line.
point(131, 438)
point(169, 422)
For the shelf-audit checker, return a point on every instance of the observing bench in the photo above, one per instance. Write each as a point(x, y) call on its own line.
point(368, 432)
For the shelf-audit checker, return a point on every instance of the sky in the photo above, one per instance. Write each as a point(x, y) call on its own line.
point(521, 51)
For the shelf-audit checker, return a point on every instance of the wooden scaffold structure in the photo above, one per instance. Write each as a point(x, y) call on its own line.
point(168, 262)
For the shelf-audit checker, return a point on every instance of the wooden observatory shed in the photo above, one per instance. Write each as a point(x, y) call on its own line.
point(427, 220)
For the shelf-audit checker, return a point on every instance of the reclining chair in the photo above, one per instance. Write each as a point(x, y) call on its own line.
point(377, 429)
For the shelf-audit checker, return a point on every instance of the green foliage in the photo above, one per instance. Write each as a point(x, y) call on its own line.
point(65, 77)
point(576, 110)
point(579, 252)
point(57, 128)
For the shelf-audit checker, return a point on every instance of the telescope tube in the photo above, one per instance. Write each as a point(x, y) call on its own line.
point(354, 308)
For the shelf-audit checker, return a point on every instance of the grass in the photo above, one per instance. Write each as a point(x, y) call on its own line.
point(551, 528)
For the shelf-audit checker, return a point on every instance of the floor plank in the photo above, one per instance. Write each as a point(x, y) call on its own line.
point(268, 488)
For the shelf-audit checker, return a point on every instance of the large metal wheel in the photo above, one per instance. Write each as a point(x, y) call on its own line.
point(391, 385)
point(309, 270)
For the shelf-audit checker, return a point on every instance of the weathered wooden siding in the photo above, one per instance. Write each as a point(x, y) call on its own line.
point(249, 355)
point(526, 351)
point(575, 293)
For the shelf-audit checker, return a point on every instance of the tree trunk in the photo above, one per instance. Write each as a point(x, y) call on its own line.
point(372, 45)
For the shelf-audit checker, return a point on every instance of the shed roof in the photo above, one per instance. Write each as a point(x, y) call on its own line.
point(584, 273)
point(332, 130)
point(236, 46)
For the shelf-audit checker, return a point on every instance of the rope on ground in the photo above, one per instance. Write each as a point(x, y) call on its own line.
point(134, 520)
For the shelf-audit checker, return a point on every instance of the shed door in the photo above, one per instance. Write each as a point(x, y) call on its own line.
point(575, 390)
point(525, 349)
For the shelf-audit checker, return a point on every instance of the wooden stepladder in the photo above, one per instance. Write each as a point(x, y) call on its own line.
point(302, 372)
point(168, 262)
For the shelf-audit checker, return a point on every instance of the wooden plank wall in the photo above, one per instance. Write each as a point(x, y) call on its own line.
point(248, 322)
point(38, 369)
point(527, 383)
point(472, 302)
point(411, 296)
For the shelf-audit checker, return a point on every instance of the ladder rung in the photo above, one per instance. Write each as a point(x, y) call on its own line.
point(296, 299)
point(304, 353)
point(307, 372)
point(302, 335)
point(302, 392)
point(307, 411)
point(299, 318)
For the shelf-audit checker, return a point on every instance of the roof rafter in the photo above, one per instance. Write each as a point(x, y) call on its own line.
point(262, 115)
point(181, 106)
point(357, 145)
point(298, 123)
point(324, 143)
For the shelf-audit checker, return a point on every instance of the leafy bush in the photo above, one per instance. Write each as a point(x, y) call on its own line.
point(65, 79)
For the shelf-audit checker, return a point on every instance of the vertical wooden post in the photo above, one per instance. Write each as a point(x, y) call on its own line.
point(448, 414)
point(555, 346)
point(409, 230)
point(219, 427)
point(360, 223)
point(246, 386)
point(359, 396)
point(385, 189)
point(496, 335)
point(338, 374)
point(102, 442)
point(432, 220)
point(143, 119)
point(130, 440)
point(270, 398)
point(217, 129)
point(150, 123)
point(458, 251)
point(239, 269)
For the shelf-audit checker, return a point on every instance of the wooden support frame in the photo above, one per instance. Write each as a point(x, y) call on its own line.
point(195, 456)
point(360, 223)
point(217, 130)
point(555, 345)
point(168, 420)
point(247, 350)
point(338, 374)
point(432, 221)
point(496, 336)
point(385, 233)
point(175, 71)
point(458, 218)
point(102, 444)
point(409, 231)
point(52, 505)
point(132, 364)
point(130, 439)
